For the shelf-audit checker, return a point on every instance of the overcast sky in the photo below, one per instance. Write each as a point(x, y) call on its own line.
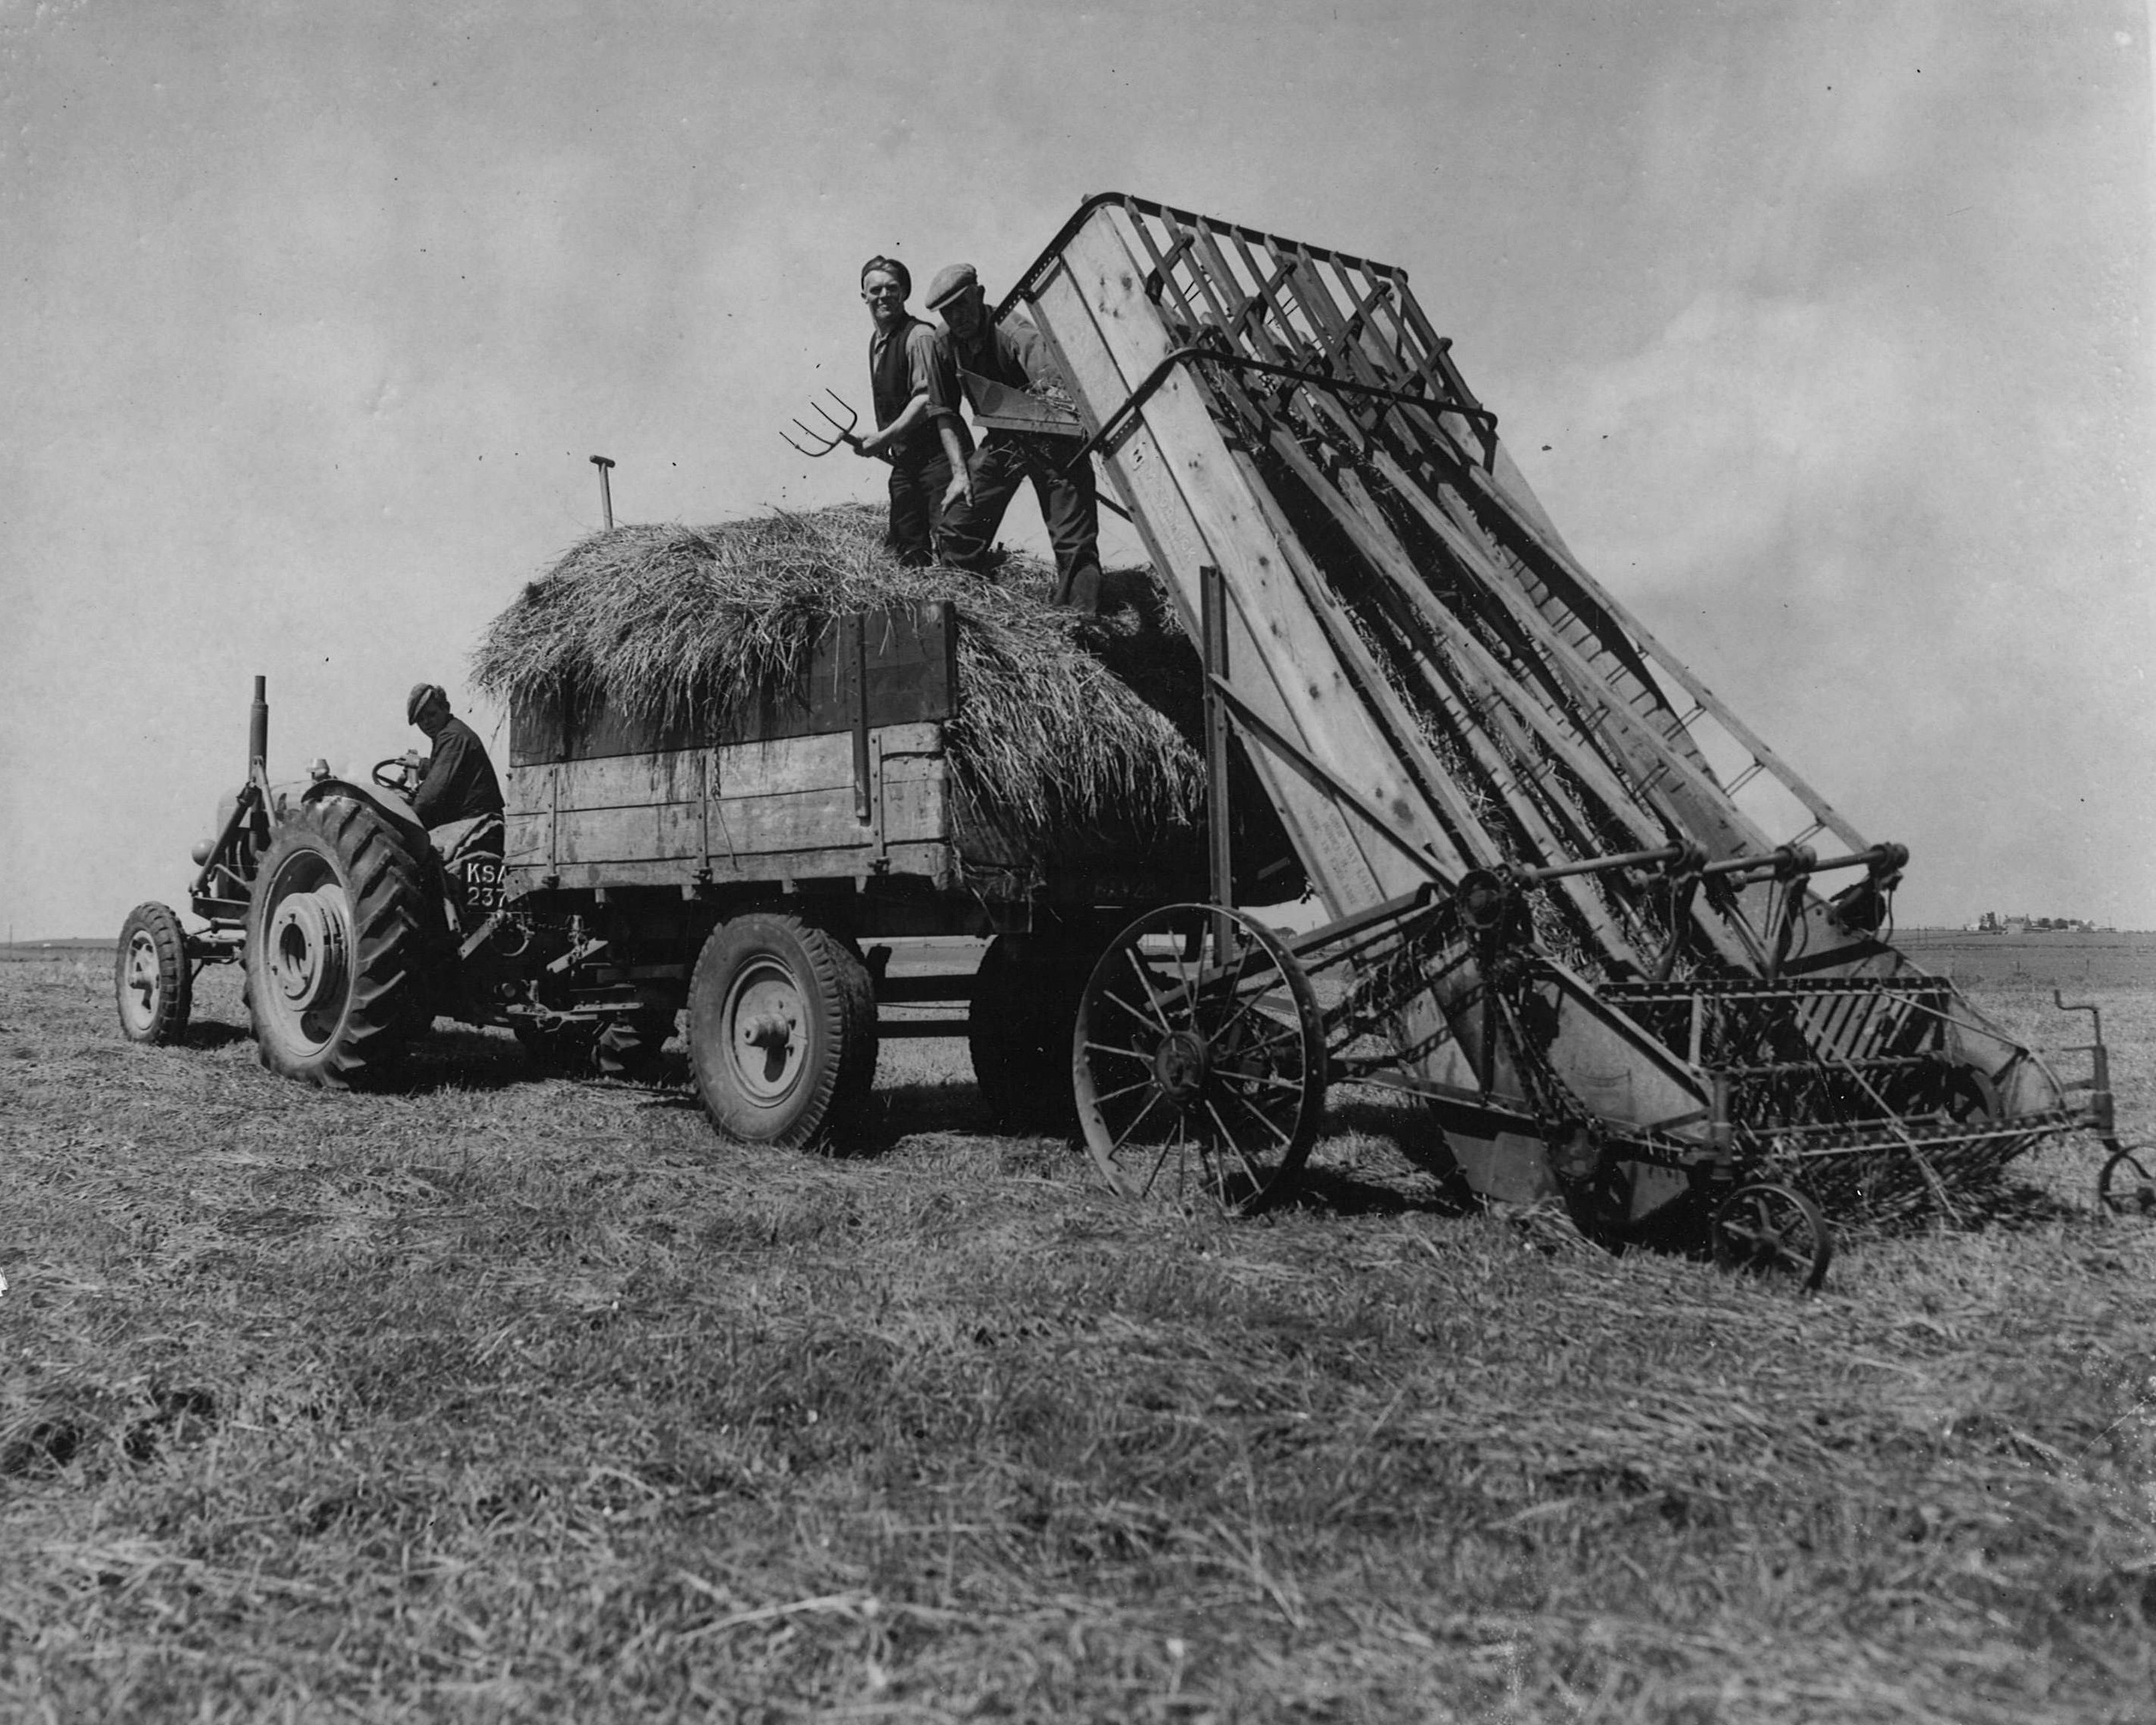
point(1822, 330)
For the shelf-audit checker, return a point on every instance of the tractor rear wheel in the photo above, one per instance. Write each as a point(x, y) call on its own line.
point(151, 979)
point(338, 947)
point(781, 1031)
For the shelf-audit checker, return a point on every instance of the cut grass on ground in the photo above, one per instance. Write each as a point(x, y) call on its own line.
point(501, 1396)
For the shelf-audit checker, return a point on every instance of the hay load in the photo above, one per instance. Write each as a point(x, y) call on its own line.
point(678, 627)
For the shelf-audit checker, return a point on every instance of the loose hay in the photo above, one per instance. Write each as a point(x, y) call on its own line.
point(679, 626)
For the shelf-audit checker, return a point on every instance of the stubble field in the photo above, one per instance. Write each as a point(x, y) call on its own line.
point(504, 1397)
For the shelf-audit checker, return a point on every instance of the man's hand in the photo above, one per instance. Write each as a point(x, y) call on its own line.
point(961, 485)
point(871, 445)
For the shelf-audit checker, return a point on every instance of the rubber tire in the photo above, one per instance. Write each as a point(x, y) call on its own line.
point(393, 910)
point(163, 1019)
point(829, 1092)
point(1019, 1027)
point(629, 1047)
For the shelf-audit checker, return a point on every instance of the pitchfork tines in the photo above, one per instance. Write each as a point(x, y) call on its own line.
point(825, 442)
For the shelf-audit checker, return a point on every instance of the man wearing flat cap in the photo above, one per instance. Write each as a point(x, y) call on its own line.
point(915, 387)
point(1020, 397)
point(458, 798)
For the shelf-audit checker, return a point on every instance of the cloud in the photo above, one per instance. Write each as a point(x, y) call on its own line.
point(1688, 464)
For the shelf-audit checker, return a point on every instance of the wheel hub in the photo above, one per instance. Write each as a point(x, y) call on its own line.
point(768, 1041)
point(1180, 1065)
point(142, 971)
point(309, 947)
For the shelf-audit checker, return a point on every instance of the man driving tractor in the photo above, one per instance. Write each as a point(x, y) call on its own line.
point(457, 798)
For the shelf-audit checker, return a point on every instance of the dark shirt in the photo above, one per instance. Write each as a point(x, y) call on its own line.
point(1010, 353)
point(914, 359)
point(459, 781)
point(1013, 354)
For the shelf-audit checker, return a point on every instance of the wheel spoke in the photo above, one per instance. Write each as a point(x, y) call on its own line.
point(1124, 1137)
point(1263, 1119)
point(1229, 995)
point(1109, 1096)
point(1257, 1180)
point(1128, 1054)
point(1182, 1162)
point(1183, 976)
point(1254, 1002)
point(1152, 999)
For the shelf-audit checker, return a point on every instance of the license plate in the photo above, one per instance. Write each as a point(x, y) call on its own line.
point(483, 885)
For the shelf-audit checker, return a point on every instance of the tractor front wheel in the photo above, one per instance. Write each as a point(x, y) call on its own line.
point(337, 944)
point(781, 1031)
point(151, 979)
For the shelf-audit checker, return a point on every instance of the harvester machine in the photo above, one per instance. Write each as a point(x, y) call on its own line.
point(1625, 954)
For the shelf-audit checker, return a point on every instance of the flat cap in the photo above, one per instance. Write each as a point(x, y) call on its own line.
point(421, 692)
point(951, 280)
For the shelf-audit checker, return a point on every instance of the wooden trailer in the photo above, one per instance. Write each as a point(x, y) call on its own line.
point(756, 870)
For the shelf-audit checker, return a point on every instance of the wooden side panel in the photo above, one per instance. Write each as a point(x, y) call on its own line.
point(735, 812)
point(908, 658)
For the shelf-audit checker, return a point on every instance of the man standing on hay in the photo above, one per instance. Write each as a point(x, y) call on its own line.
point(1019, 395)
point(915, 387)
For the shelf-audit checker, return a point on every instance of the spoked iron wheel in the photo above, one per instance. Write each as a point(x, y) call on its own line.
point(1766, 1228)
point(1199, 1060)
point(2125, 1186)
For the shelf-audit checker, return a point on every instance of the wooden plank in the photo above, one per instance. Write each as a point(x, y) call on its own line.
point(914, 809)
point(798, 820)
point(1198, 509)
point(937, 866)
point(1141, 477)
point(746, 769)
point(795, 794)
point(912, 676)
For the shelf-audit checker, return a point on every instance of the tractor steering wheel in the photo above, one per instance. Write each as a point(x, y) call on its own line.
point(399, 774)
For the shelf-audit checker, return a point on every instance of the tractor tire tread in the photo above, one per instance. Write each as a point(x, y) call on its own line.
point(174, 974)
point(386, 890)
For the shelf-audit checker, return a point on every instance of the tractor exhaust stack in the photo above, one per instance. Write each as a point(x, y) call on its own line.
point(258, 730)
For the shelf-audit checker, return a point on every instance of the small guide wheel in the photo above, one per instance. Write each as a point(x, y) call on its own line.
point(152, 980)
point(1765, 1227)
point(1199, 1060)
point(2125, 1187)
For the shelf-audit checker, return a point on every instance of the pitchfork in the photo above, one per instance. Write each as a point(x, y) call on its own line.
point(826, 443)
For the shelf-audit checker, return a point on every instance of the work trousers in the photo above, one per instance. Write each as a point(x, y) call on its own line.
point(917, 524)
point(1070, 509)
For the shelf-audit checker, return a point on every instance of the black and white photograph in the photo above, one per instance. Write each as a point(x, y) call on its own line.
point(958, 859)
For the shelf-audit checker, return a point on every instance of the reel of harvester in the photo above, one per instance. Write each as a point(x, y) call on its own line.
point(1726, 1115)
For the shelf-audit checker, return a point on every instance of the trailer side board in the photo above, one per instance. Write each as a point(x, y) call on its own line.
point(782, 808)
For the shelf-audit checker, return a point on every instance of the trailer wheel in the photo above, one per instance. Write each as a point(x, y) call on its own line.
point(152, 980)
point(1199, 1060)
point(781, 1031)
point(336, 945)
point(1766, 1228)
point(1018, 1026)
